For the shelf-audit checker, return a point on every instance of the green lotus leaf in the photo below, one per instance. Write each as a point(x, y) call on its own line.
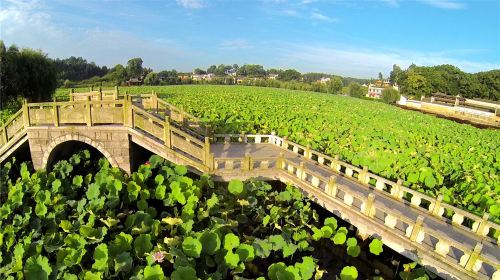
point(349, 273)
point(235, 187)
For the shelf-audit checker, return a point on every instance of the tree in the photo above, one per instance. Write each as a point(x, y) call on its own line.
point(290, 75)
point(151, 79)
point(396, 74)
point(77, 69)
point(380, 76)
point(355, 90)
point(211, 69)
point(222, 69)
point(334, 85)
point(117, 75)
point(251, 70)
point(199, 71)
point(134, 67)
point(169, 77)
point(390, 95)
point(415, 85)
point(25, 73)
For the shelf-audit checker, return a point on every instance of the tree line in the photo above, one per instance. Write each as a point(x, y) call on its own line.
point(416, 81)
point(27, 73)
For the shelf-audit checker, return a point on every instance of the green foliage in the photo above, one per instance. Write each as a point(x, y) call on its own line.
point(93, 227)
point(235, 187)
point(184, 273)
point(26, 73)
point(334, 85)
point(349, 273)
point(356, 90)
point(376, 247)
point(386, 143)
point(390, 95)
point(192, 247)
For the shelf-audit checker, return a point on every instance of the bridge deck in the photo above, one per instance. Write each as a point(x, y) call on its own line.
point(382, 199)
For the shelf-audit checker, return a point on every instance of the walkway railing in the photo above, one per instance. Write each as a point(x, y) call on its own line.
point(173, 128)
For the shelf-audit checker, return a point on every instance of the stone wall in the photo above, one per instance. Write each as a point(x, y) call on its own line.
point(112, 142)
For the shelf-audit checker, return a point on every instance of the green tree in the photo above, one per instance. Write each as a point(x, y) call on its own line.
point(199, 71)
point(134, 67)
point(169, 77)
point(25, 73)
point(290, 75)
point(380, 76)
point(151, 79)
point(334, 85)
point(355, 90)
point(415, 85)
point(212, 69)
point(118, 75)
point(390, 95)
point(396, 74)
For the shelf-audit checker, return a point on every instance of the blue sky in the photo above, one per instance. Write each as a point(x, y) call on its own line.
point(350, 38)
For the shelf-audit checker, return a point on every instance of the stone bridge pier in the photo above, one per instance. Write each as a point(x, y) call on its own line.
point(112, 142)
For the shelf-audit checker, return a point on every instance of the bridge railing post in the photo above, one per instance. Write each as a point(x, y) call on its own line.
point(482, 225)
point(474, 256)
point(397, 190)
point(362, 176)
point(284, 143)
point(417, 228)
point(88, 112)
point(4, 134)
point(181, 116)
point(331, 186)
point(55, 113)
point(307, 152)
point(436, 209)
point(369, 208)
point(280, 162)
point(166, 132)
point(335, 164)
point(301, 171)
point(26, 115)
point(207, 151)
point(247, 162)
point(127, 111)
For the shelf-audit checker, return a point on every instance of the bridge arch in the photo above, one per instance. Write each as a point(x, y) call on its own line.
point(78, 138)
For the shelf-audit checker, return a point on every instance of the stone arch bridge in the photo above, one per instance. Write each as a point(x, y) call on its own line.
point(459, 245)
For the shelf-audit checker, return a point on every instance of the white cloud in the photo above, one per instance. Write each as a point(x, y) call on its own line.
point(235, 44)
point(445, 4)
point(191, 4)
point(319, 16)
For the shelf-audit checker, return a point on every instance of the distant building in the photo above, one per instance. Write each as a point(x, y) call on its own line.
point(375, 89)
point(272, 76)
point(134, 82)
point(203, 77)
point(230, 72)
point(324, 80)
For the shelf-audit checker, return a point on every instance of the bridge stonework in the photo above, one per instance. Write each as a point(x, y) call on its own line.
point(113, 143)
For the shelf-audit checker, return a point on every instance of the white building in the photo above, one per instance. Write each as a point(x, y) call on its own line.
point(203, 77)
point(324, 80)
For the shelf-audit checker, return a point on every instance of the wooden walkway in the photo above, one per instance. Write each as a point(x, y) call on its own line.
point(457, 246)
